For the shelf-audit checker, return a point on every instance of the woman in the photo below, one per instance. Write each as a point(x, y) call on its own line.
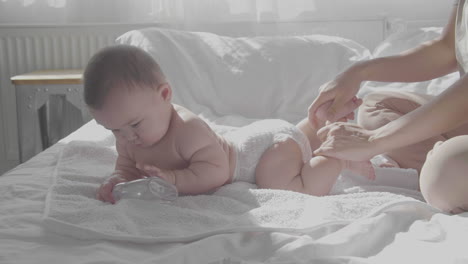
point(393, 120)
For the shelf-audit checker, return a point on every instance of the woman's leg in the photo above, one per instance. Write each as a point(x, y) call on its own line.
point(444, 176)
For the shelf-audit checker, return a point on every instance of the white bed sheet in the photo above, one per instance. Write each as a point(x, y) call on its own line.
point(400, 234)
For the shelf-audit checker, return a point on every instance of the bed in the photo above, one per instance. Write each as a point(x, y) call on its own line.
point(49, 214)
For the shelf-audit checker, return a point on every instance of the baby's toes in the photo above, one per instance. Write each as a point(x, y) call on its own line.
point(363, 168)
point(387, 165)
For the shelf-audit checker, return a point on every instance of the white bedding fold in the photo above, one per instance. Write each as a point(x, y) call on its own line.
point(71, 207)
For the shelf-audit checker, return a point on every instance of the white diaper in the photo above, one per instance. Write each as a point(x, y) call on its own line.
point(251, 141)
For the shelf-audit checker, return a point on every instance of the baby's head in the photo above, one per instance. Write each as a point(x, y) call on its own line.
point(126, 92)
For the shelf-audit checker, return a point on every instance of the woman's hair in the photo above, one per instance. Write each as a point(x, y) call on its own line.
point(120, 66)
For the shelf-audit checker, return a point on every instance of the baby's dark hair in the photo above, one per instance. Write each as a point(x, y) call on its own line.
point(119, 66)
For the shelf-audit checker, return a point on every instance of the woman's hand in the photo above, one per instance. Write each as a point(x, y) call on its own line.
point(346, 141)
point(340, 94)
point(346, 113)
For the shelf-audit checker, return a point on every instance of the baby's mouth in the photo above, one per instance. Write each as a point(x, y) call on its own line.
point(136, 143)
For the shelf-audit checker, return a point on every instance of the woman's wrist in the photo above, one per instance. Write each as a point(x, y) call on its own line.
point(380, 140)
point(360, 70)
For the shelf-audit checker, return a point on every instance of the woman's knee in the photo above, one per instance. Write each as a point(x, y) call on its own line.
point(444, 177)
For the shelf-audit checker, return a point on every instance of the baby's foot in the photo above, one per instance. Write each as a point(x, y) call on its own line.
point(388, 165)
point(383, 161)
point(363, 168)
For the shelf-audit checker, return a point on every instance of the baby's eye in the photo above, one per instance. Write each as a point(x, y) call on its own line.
point(115, 131)
point(136, 124)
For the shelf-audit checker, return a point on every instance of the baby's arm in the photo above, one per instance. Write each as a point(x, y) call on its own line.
point(125, 170)
point(208, 162)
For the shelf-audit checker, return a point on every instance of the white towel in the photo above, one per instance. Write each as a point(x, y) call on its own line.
point(71, 207)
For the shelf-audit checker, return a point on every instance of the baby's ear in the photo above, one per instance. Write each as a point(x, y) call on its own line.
point(165, 91)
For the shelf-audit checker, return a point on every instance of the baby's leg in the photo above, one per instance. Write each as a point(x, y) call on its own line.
point(363, 168)
point(281, 167)
point(380, 108)
point(317, 176)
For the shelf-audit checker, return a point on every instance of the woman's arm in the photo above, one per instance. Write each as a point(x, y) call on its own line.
point(446, 112)
point(430, 60)
point(349, 141)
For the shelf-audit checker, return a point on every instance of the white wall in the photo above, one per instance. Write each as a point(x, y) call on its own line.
point(406, 9)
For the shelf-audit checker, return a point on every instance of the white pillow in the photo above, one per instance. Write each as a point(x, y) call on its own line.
point(402, 39)
point(253, 77)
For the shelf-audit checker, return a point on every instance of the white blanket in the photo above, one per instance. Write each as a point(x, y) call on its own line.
point(71, 207)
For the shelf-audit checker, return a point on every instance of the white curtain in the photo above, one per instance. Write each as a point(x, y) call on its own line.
point(187, 11)
point(141, 11)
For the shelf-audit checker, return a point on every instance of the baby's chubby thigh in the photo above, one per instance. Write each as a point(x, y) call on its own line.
point(279, 164)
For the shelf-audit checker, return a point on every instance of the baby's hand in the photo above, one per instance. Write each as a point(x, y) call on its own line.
point(104, 193)
point(153, 171)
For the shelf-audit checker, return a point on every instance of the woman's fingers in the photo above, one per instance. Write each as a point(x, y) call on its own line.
point(331, 129)
point(338, 129)
point(324, 150)
point(335, 108)
point(346, 141)
point(342, 107)
point(321, 112)
point(321, 99)
point(341, 113)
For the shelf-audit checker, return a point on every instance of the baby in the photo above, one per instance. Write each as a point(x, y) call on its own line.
point(127, 93)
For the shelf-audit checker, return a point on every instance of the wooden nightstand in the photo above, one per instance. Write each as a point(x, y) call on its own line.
point(49, 106)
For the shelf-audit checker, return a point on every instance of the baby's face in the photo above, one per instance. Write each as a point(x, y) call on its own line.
point(140, 116)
